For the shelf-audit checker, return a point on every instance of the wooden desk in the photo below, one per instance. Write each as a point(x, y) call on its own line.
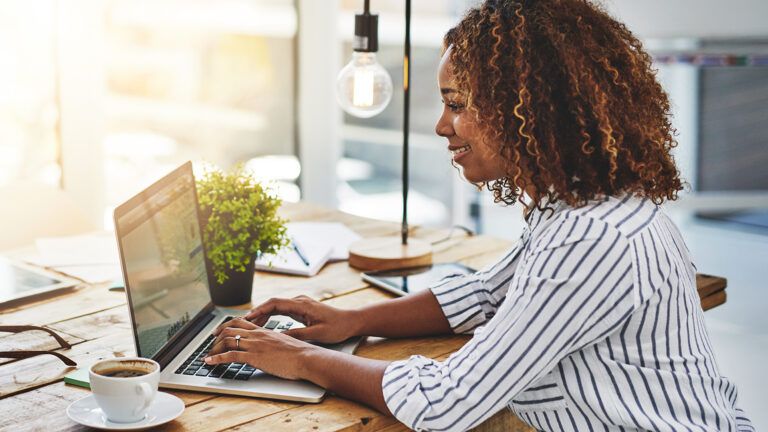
point(95, 321)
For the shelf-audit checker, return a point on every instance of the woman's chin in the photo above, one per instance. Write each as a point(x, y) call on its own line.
point(479, 178)
point(474, 177)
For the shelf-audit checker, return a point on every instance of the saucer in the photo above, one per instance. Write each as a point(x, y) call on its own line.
point(164, 408)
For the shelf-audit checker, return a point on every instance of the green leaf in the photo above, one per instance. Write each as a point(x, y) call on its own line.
point(239, 220)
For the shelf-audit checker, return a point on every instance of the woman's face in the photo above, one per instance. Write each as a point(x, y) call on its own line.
point(479, 160)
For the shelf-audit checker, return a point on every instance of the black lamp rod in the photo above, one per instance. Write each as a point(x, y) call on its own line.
point(406, 115)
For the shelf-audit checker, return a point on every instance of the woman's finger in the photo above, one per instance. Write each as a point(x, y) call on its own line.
point(277, 306)
point(226, 338)
point(305, 334)
point(228, 343)
point(227, 357)
point(237, 322)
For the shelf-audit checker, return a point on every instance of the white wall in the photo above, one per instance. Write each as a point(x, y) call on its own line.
point(692, 18)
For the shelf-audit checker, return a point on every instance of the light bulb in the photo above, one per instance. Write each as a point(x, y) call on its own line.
point(363, 87)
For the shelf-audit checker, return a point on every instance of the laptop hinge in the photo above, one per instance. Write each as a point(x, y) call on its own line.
point(171, 350)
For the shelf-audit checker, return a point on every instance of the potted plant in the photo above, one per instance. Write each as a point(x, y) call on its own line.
point(240, 221)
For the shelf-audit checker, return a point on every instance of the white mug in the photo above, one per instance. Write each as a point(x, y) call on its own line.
point(124, 397)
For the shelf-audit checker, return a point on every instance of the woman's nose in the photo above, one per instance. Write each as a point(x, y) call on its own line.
point(443, 128)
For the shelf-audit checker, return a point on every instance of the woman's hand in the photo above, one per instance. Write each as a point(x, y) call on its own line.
point(324, 324)
point(270, 351)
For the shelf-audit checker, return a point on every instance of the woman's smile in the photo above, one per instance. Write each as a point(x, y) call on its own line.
point(459, 153)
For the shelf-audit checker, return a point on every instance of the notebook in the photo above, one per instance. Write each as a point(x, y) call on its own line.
point(289, 261)
point(332, 233)
point(319, 242)
point(79, 377)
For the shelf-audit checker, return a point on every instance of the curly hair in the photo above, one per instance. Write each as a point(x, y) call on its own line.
point(570, 96)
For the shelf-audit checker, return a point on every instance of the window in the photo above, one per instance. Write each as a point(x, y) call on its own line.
point(206, 79)
point(29, 143)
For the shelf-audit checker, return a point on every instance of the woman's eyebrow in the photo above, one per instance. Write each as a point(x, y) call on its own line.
point(446, 90)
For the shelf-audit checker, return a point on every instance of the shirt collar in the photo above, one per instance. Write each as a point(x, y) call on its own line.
point(545, 211)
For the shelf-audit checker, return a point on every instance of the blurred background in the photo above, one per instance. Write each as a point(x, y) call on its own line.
point(99, 98)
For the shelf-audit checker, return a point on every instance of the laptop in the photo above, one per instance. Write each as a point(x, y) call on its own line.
point(167, 278)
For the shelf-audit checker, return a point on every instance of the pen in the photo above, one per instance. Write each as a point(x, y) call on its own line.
point(299, 252)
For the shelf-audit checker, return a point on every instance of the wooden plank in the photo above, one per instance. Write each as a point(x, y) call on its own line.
point(708, 284)
point(39, 371)
point(33, 340)
point(503, 420)
point(45, 408)
point(80, 302)
point(713, 300)
point(334, 414)
point(96, 325)
point(74, 331)
point(224, 413)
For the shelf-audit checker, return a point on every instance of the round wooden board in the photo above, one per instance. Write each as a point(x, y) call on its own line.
point(386, 253)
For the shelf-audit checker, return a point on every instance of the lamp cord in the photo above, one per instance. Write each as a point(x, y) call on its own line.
point(468, 231)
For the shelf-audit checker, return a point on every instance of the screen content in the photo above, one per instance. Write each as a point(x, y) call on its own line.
point(164, 263)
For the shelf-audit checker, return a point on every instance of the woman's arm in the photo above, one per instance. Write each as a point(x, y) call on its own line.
point(417, 314)
point(413, 315)
point(351, 377)
point(355, 378)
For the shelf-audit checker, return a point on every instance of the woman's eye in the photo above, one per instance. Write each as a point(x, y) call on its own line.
point(453, 106)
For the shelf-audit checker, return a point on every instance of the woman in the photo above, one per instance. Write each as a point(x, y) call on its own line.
point(593, 321)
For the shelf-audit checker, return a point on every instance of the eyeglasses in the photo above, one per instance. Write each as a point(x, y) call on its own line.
point(27, 354)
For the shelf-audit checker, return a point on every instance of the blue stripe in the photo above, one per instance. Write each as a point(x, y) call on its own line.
point(538, 401)
point(644, 224)
point(634, 212)
point(581, 391)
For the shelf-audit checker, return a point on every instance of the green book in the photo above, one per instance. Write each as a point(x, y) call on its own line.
point(78, 377)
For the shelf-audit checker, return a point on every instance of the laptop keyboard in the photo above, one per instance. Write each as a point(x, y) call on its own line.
point(194, 364)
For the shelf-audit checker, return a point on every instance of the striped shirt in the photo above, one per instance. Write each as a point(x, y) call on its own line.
point(591, 323)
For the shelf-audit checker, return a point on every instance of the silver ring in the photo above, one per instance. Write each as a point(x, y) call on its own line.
point(237, 342)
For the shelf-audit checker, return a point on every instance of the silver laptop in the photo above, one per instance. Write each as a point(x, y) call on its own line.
point(167, 279)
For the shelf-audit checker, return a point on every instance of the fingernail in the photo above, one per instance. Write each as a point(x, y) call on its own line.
point(208, 359)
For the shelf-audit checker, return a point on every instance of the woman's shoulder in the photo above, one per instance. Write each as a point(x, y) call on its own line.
point(628, 214)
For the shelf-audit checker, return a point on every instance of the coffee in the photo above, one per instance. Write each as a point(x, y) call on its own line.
point(122, 373)
point(126, 399)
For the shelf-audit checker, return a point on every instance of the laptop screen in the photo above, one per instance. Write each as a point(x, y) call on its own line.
point(164, 261)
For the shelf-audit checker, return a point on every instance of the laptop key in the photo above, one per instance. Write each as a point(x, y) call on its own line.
point(243, 376)
point(229, 374)
point(218, 371)
point(271, 324)
point(189, 372)
point(203, 372)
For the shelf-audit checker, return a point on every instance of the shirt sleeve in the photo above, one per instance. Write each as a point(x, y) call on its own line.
point(573, 289)
point(469, 301)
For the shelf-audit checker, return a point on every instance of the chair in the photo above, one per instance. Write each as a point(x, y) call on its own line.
point(30, 210)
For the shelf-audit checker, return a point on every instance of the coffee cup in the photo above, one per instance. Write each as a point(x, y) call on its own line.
point(124, 388)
